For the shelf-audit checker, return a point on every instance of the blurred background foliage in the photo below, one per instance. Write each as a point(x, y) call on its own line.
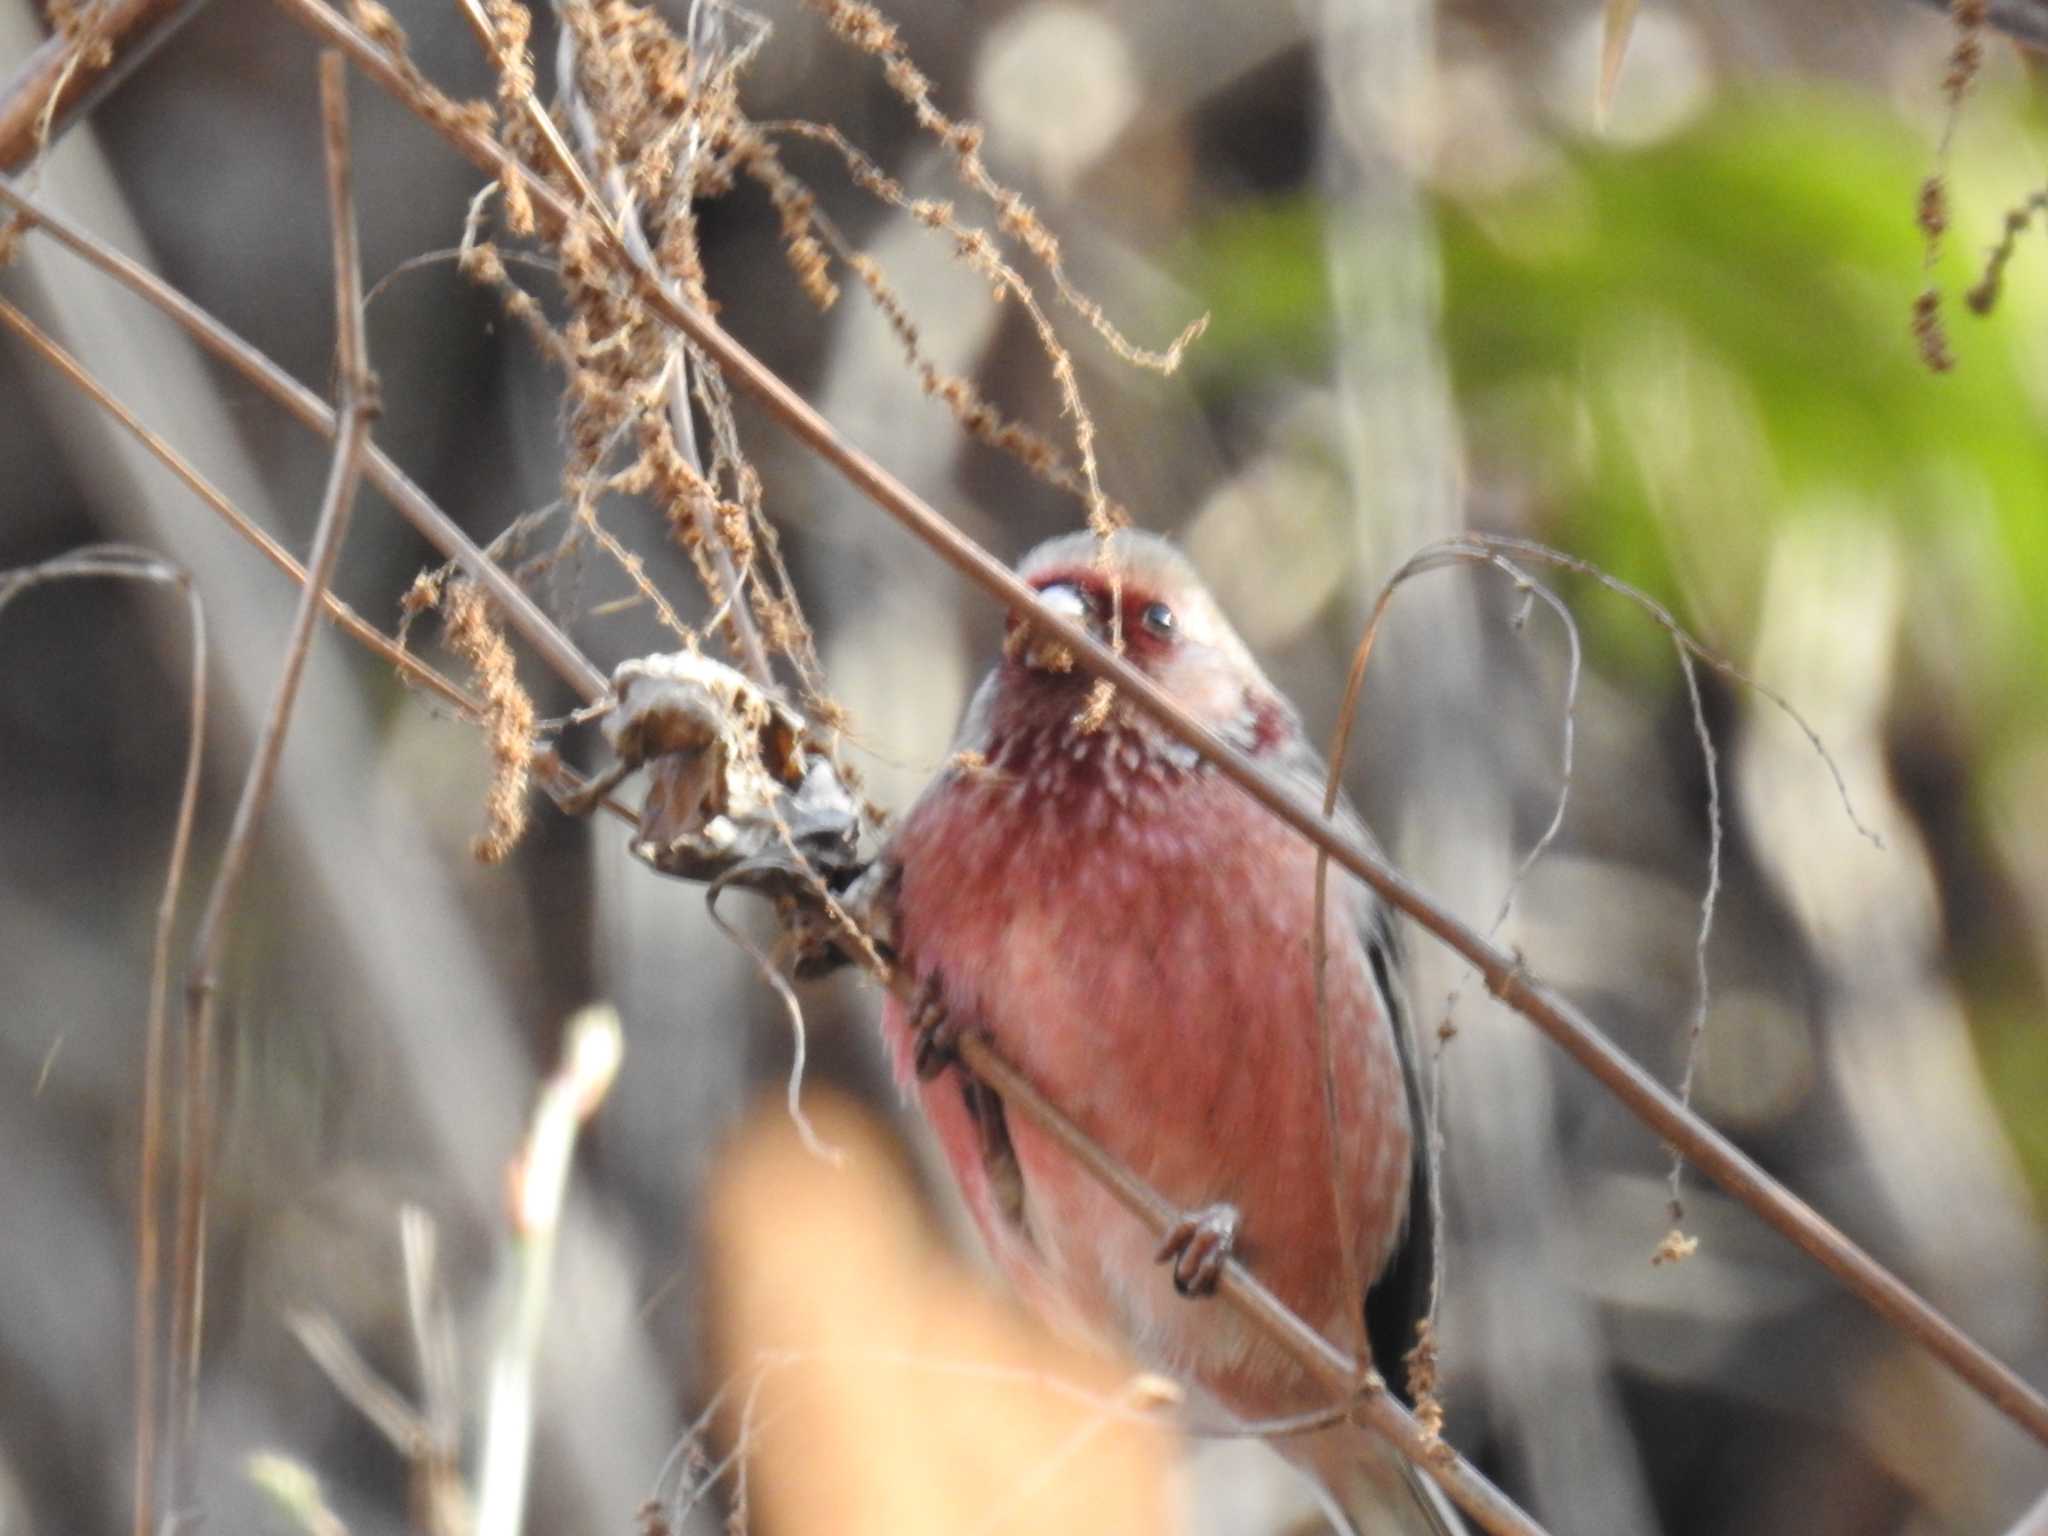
point(1677, 345)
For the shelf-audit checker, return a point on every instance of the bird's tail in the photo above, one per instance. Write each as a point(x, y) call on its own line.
point(1371, 1489)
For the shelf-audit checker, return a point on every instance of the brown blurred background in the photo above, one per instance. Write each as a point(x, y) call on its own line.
point(1676, 344)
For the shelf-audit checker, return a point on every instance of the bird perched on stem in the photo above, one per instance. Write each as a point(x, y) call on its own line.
point(1134, 934)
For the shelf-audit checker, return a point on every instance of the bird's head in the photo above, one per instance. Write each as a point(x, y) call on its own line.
point(1136, 587)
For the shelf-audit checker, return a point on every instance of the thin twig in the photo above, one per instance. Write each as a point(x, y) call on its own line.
point(521, 612)
point(800, 1037)
point(358, 1382)
point(1696, 1030)
point(359, 407)
point(624, 217)
point(60, 79)
point(351, 622)
point(1638, 1092)
point(561, 779)
point(122, 563)
point(435, 1469)
point(1438, 556)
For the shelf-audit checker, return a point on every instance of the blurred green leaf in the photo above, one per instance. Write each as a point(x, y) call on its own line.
point(1668, 350)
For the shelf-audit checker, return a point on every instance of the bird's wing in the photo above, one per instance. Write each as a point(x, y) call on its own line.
point(1399, 1299)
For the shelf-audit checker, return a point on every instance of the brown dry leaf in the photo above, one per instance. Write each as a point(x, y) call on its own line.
point(1617, 21)
point(923, 1401)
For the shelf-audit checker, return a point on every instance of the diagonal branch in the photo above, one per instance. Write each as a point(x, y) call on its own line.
point(350, 622)
point(69, 72)
point(414, 505)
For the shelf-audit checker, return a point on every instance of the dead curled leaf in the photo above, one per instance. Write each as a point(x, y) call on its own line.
point(735, 790)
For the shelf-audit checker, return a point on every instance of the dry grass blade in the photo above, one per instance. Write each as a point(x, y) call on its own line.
point(433, 1339)
point(120, 563)
point(358, 411)
point(355, 1379)
point(440, 530)
point(1505, 975)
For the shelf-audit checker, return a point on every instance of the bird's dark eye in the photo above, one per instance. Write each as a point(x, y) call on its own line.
point(1158, 620)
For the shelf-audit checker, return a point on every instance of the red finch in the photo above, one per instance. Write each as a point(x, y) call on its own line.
point(1133, 933)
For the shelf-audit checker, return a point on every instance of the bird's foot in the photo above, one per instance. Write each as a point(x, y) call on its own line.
point(934, 1033)
point(1198, 1246)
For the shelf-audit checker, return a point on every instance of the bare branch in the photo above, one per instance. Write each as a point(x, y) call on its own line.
point(61, 78)
point(521, 612)
point(359, 407)
point(340, 613)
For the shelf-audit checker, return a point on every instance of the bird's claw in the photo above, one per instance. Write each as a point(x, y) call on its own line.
point(1198, 1246)
point(934, 1033)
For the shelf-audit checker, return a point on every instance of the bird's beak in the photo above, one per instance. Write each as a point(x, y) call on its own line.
point(1041, 650)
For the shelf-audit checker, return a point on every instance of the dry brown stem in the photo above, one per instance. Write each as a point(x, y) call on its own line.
point(638, 91)
point(1983, 295)
point(92, 44)
point(867, 30)
point(120, 563)
point(358, 410)
point(980, 419)
point(413, 504)
point(1965, 60)
point(350, 622)
point(1505, 975)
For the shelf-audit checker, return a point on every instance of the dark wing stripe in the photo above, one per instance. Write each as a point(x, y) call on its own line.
point(1399, 1298)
